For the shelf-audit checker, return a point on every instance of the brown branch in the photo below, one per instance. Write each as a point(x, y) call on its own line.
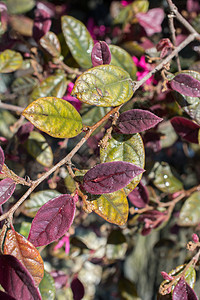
point(173, 37)
point(11, 107)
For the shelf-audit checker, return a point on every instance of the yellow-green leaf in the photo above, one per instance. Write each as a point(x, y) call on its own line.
point(104, 85)
point(53, 86)
point(112, 207)
point(38, 148)
point(128, 148)
point(19, 6)
point(51, 43)
point(54, 116)
point(122, 58)
point(47, 287)
point(78, 40)
point(32, 205)
point(10, 61)
point(190, 211)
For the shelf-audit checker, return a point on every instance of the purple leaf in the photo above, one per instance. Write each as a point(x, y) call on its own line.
point(110, 177)
point(5, 296)
point(186, 85)
point(23, 131)
point(52, 220)
point(183, 291)
point(193, 6)
point(187, 129)
point(136, 120)
point(2, 158)
point(151, 21)
point(16, 280)
point(101, 54)
point(7, 187)
point(42, 24)
point(77, 289)
point(139, 196)
point(3, 16)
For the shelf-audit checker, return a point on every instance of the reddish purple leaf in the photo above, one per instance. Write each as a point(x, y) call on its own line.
point(151, 219)
point(101, 54)
point(7, 187)
point(187, 129)
point(193, 5)
point(110, 177)
point(186, 85)
point(165, 46)
point(136, 120)
point(52, 220)
point(42, 24)
point(139, 196)
point(151, 21)
point(23, 131)
point(77, 289)
point(2, 158)
point(16, 280)
point(183, 291)
point(5, 296)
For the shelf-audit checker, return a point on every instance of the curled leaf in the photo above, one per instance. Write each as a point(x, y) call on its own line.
point(186, 85)
point(136, 120)
point(52, 220)
point(183, 291)
point(101, 54)
point(110, 177)
point(139, 196)
point(187, 129)
point(7, 187)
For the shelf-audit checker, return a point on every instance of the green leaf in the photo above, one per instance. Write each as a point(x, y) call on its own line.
point(6, 120)
point(78, 39)
point(32, 205)
point(122, 58)
point(128, 148)
point(190, 211)
point(112, 207)
point(47, 287)
point(104, 85)
point(24, 85)
point(19, 6)
point(54, 116)
point(38, 148)
point(25, 228)
point(53, 86)
point(10, 61)
point(51, 43)
point(164, 179)
point(191, 105)
point(190, 275)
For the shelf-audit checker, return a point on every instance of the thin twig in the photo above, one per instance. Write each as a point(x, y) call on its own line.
point(11, 107)
point(173, 37)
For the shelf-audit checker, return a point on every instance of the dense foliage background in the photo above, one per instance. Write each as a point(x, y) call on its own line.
point(109, 248)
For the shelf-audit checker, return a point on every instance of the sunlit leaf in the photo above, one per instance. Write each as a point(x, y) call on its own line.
point(164, 179)
point(25, 228)
point(128, 148)
point(112, 207)
point(51, 43)
point(136, 120)
point(187, 129)
point(37, 200)
point(100, 54)
point(52, 220)
point(110, 176)
point(186, 85)
point(191, 105)
point(19, 6)
point(190, 211)
point(54, 116)
point(7, 187)
point(78, 40)
point(17, 245)
point(38, 147)
point(53, 86)
point(2, 158)
point(10, 61)
point(122, 58)
point(16, 279)
point(47, 287)
point(104, 85)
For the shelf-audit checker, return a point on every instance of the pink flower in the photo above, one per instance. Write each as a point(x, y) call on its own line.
point(74, 101)
point(64, 240)
point(97, 32)
point(144, 67)
point(125, 3)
